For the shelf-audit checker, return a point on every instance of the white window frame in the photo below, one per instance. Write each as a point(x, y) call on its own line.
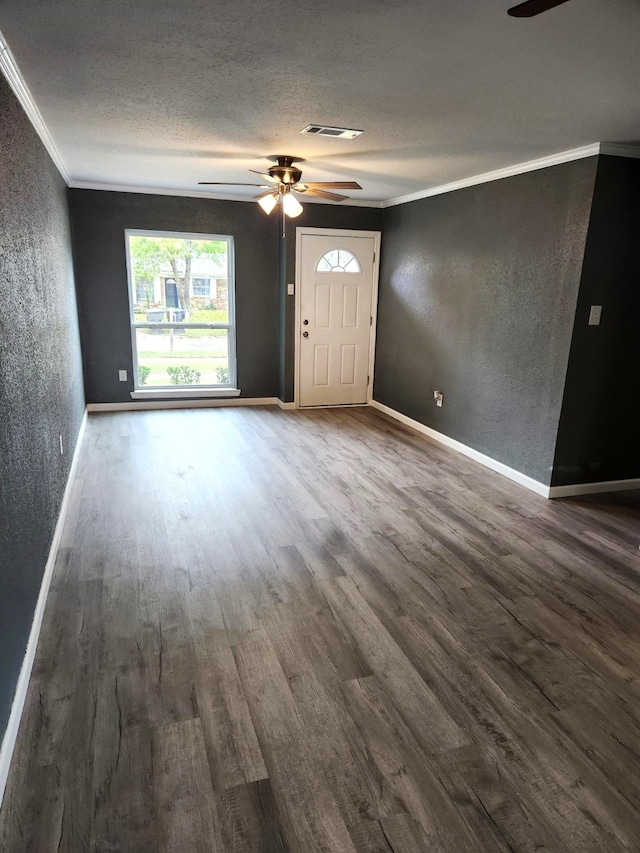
point(228, 389)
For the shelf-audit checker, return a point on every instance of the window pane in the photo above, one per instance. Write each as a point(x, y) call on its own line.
point(178, 357)
point(209, 314)
point(182, 280)
point(201, 286)
point(338, 260)
point(181, 275)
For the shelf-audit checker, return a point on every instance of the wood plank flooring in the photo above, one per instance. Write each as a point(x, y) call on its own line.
point(317, 631)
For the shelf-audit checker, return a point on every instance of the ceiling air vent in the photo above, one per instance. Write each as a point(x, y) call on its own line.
point(336, 132)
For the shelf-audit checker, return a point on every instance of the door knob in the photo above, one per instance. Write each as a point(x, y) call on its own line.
point(305, 334)
point(305, 322)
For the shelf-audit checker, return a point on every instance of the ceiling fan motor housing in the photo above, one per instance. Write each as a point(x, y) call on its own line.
point(285, 172)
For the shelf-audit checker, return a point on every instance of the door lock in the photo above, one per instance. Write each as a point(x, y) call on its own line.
point(305, 322)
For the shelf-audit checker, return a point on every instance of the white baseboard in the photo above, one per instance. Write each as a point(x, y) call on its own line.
point(11, 733)
point(593, 488)
point(211, 403)
point(511, 473)
point(286, 406)
point(487, 461)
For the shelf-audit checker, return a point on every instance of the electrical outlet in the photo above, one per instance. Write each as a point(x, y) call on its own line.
point(438, 396)
point(290, 289)
point(61, 445)
point(122, 375)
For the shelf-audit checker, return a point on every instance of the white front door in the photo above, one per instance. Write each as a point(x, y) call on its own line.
point(335, 316)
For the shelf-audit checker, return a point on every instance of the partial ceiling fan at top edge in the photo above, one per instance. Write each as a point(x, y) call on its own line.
point(530, 8)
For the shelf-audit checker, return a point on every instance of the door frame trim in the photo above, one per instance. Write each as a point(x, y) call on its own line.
point(335, 232)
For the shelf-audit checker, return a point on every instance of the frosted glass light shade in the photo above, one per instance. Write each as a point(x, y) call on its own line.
point(268, 202)
point(292, 206)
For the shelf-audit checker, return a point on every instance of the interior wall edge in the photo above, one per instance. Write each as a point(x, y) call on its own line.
point(575, 311)
point(17, 706)
point(596, 439)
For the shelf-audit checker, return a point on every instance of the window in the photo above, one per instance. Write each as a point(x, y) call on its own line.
point(201, 286)
point(144, 289)
point(338, 260)
point(180, 340)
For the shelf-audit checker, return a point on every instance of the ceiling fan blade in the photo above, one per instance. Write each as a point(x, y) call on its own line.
point(270, 191)
point(533, 7)
point(265, 176)
point(226, 184)
point(336, 185)
point(323, 194)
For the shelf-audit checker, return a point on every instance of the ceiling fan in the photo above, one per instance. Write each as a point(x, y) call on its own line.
point(533, 7)
point(283, 180)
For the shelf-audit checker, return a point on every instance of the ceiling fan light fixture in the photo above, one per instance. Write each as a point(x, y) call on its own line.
point(291, 205)
point(285, 178)
point(268, 202)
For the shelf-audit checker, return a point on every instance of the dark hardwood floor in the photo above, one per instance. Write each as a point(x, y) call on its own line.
point(317, 631)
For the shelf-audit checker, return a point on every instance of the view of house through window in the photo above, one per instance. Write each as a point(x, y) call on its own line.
point(181, 292)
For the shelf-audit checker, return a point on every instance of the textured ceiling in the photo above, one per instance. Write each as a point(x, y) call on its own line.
point(164, 94)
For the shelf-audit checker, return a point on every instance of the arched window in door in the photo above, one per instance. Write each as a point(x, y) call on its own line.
point(338, 260)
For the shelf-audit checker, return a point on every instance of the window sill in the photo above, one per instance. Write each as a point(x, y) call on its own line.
point(183, 393)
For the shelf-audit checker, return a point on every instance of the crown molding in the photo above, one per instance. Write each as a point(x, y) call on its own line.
point(615, 149)
point(126, 188)
point(507, 172)
point(130, 188)
point(11, 72)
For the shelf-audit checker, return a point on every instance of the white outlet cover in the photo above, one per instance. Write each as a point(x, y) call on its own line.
point(595, 314)
point(122, 375)
point(290, 289)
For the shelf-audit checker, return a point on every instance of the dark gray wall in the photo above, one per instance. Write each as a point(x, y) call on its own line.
point(40, 375)
point(99, 221)
point(599, 434)
point(478, 290)
point(313, 216)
